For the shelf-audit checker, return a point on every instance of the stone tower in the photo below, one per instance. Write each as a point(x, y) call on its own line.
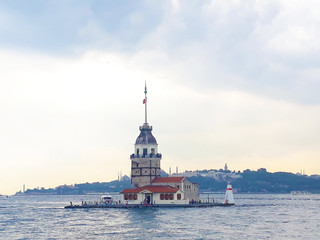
point(145, 161)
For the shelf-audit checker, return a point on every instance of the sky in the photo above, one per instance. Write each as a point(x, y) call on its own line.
point(233, 82)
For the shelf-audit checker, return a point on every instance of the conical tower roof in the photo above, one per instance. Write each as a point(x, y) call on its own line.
point(145, 136)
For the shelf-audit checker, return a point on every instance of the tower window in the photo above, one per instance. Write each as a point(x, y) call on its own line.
point(145, 151)
point(152, 151)
point(138, 151)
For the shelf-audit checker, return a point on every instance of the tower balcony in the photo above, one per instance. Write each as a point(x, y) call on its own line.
point(145, 126)
point(158, 155)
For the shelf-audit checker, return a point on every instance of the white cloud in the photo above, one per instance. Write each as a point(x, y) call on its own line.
point(230, 81)
point(296, 29)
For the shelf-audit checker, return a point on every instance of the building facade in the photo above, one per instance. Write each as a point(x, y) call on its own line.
point(190, 190)
point(145, 161)
point(154, 195)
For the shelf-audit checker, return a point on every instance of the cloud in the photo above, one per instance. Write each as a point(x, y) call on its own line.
point(228, 45)
point(82, 112)
point(229, 81)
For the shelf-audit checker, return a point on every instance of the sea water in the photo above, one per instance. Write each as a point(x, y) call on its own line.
point(256, 216)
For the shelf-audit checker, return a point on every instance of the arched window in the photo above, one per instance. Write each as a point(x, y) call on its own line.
point(167, 196)
point(171, 196)
point(179, 196)
point(161, 196)
point(135, 197)
point(126, 197)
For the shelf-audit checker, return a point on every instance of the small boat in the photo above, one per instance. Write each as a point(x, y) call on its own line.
point(106, 199)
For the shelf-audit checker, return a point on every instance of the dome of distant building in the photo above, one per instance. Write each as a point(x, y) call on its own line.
point(145, 136)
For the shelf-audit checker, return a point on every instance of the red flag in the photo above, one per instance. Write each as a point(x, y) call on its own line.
point(144, 101)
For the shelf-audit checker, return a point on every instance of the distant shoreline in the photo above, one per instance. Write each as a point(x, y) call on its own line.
point(213, 181)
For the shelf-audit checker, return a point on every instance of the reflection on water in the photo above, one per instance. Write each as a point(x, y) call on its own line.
point(261, 216)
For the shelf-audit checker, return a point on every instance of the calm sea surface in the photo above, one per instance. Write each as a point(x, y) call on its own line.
point(263, 216)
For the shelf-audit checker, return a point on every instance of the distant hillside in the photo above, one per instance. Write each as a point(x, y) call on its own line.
point(83, 188)
point(262, 181)
point(278, 182)
point(248, 181)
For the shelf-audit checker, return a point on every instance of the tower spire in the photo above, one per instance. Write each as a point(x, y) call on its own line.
point(145, 103)
point(145, 161)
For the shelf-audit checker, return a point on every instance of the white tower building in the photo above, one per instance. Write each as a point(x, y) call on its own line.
point(145, 161)
point(229, 199)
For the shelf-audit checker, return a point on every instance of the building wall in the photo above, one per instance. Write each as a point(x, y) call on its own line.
point(156, 199)
point(192, 192)
point(144, 170)
point(140, 198)
point(149, 148)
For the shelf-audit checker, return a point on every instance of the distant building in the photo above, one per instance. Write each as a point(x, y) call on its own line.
point(226, 167)
point(220, 175)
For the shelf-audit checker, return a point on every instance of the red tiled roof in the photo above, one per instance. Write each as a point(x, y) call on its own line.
point(154, 189)
point(168, 180)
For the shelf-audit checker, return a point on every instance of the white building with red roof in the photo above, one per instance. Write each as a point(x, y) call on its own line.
point(190, 190)
point(154, 195)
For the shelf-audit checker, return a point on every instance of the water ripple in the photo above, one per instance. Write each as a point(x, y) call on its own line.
point(263, 216)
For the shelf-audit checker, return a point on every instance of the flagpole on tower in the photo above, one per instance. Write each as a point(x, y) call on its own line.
point(145, 101)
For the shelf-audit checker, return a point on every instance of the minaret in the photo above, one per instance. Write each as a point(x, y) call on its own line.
point(226, 167)
point(145, 161)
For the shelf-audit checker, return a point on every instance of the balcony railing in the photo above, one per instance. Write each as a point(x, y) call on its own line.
point(158, 155)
